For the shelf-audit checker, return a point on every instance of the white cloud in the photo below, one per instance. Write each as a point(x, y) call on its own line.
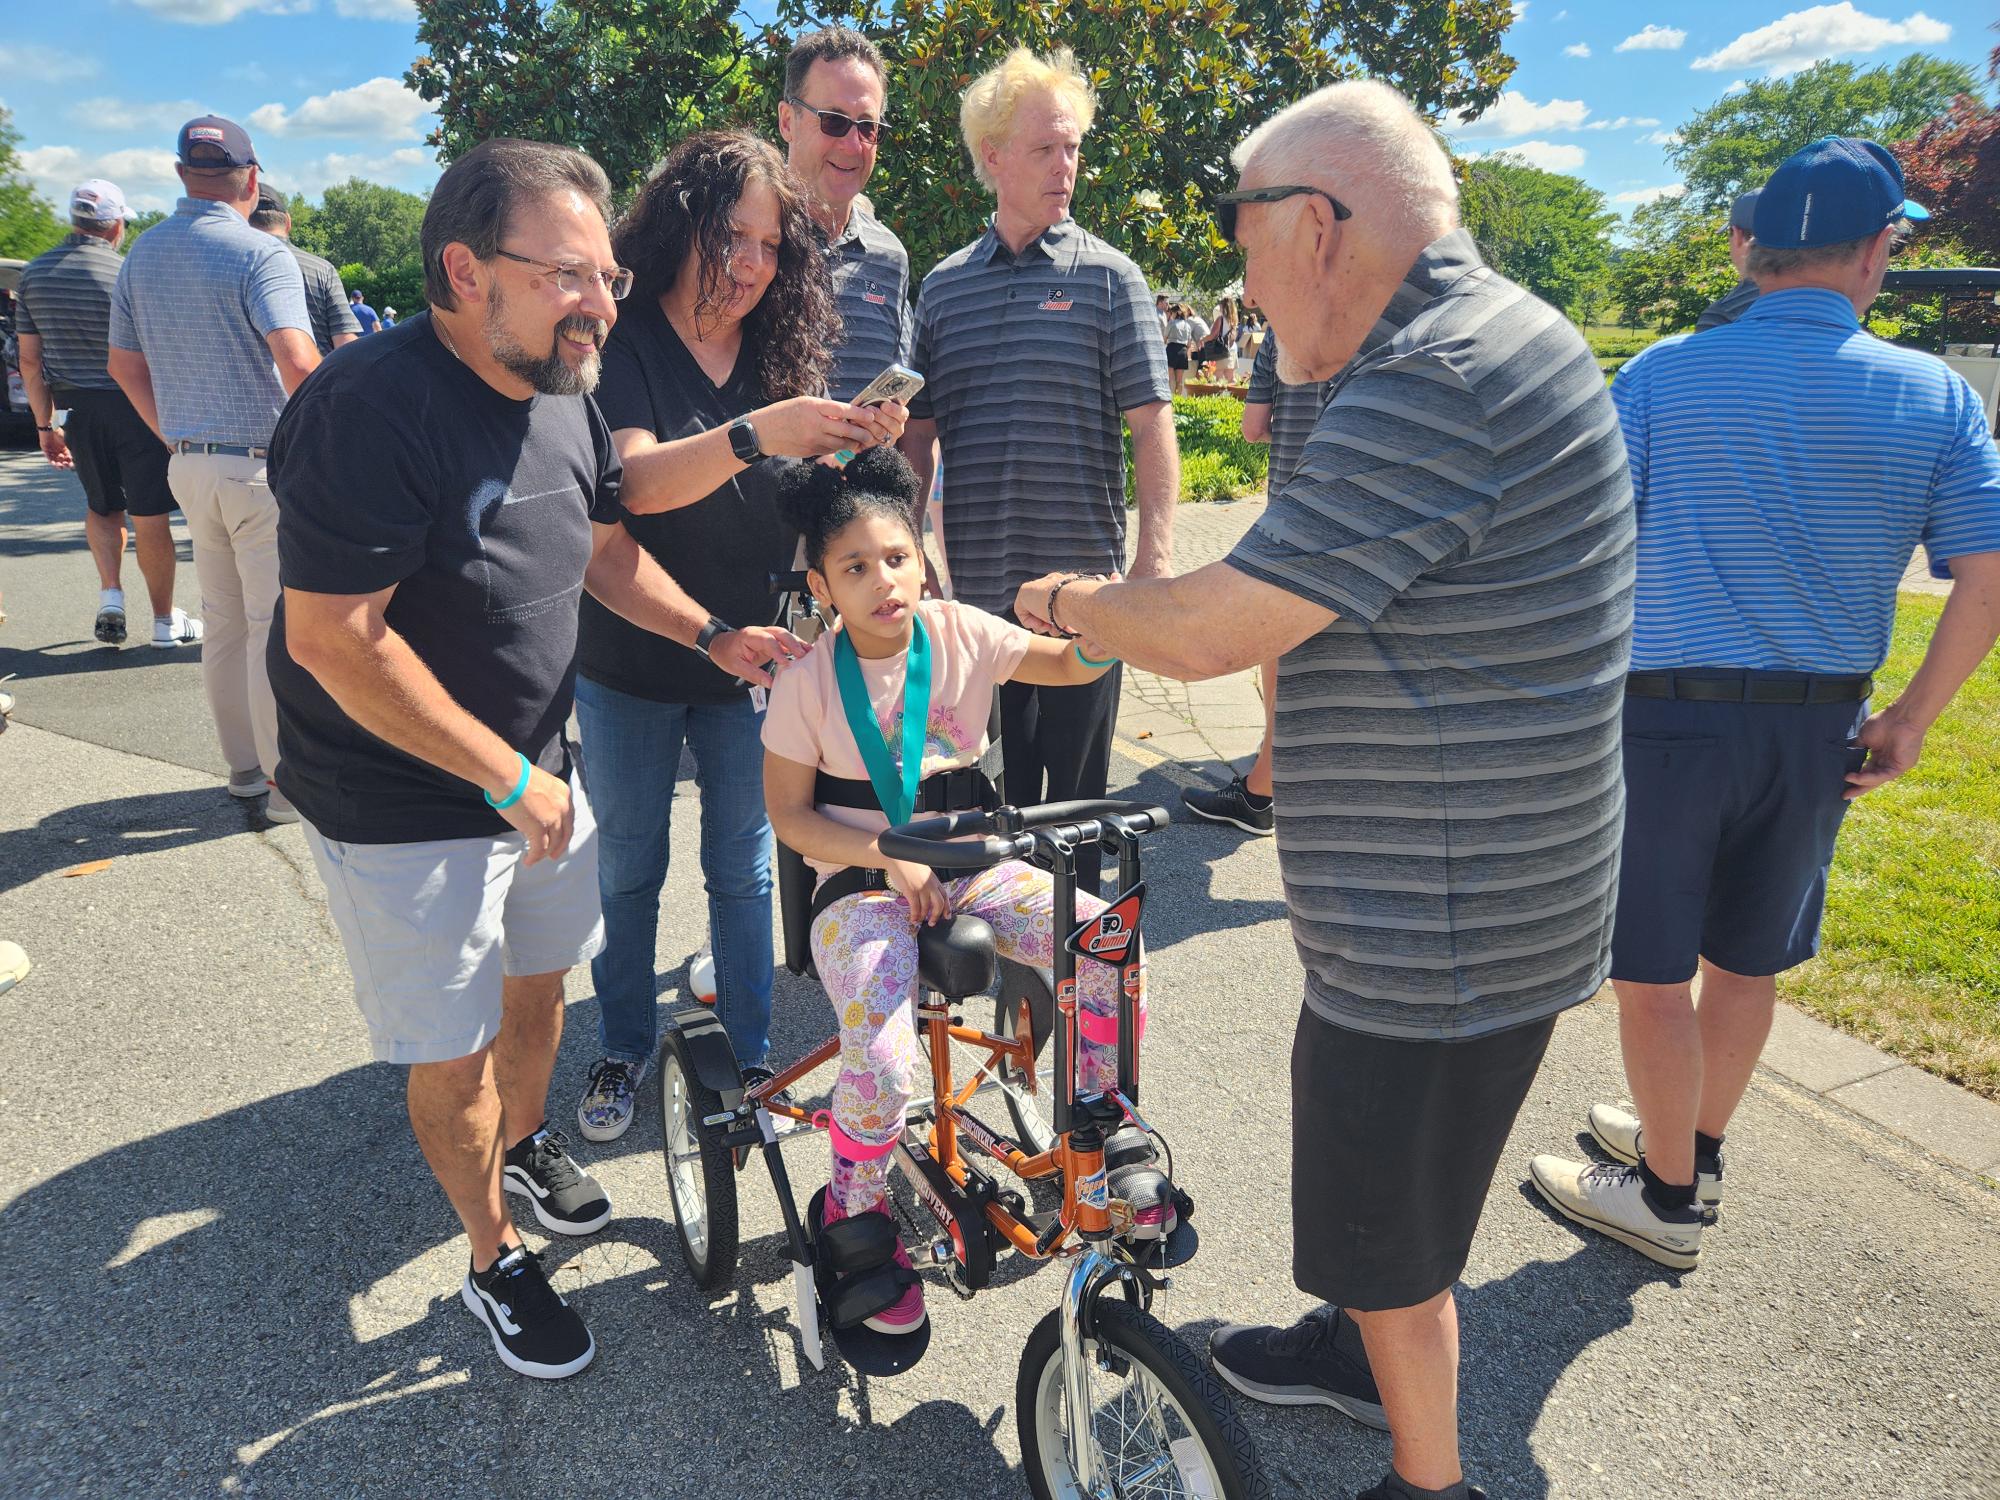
point(377, 10)
point(1623, 122)
point(1516, 114)
point(379, 109)
point(1736, 86)
point(1562, 15)
point(1661, 138)
point(1647, 195)
point(1547, 155)
point(215, 12)
point(1654, 39)
point(1577, 49)
point(403, 165)
point(1804, 37)
point(47, 64)
point(164, 116)
point(144, 174)
point(1520, 8)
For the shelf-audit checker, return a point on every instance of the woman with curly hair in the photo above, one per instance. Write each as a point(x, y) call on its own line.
point(712, 382)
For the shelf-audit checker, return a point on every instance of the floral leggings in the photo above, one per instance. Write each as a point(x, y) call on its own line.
point(865, 948)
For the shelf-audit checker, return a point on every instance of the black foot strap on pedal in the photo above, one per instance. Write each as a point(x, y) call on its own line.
point(856, 1275)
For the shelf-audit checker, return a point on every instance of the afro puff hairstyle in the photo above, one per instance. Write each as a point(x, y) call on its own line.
point(819, 501)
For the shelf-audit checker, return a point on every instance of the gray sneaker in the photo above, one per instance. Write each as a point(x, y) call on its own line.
point(1614, 1200)
point(1617, 1130)
point(605, 1111)
point(1232, 805)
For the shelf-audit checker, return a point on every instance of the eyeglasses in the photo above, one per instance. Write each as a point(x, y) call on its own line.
point(1225, 205)
point(832, 122)
point(573, 279)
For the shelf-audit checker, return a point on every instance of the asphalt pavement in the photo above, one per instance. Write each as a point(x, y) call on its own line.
point(225, 1271)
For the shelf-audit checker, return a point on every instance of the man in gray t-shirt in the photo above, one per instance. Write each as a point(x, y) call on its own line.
point(209, 336)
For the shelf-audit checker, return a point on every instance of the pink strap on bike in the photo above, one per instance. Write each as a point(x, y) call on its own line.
point(847, 1146)
point(1103, 1030)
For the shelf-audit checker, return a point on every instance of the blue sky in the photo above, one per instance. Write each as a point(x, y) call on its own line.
point(98, 87)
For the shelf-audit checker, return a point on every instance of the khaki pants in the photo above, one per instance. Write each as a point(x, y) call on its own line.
point(233, 521)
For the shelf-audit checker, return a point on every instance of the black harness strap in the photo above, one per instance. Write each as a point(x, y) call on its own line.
point(945, 791)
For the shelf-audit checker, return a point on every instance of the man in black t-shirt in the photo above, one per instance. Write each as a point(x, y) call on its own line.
point(446, 494)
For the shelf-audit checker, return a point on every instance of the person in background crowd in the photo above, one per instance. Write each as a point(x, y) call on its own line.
point(365, 317)
point(1183, 330)
point(63, 324)
point(423, 658)
point(832, 123)
point(1220, 336)
point(1463, 500)
point(1730, 306)
point(209, 336)
point(333, 321)
point(1037, 340)
point(388, 317)
point(1282, 415)
point(711, 381)
point(1163, 309)
point(1768, 569)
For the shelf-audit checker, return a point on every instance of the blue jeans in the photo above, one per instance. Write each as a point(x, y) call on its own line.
point(631, 756)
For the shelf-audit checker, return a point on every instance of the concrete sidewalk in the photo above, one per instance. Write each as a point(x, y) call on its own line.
point(1195, 731)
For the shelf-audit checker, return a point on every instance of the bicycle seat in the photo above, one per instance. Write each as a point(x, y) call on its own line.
point(956, 958)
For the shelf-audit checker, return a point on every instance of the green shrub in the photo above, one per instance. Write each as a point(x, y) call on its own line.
point(1216, 462)
point(1209, 476)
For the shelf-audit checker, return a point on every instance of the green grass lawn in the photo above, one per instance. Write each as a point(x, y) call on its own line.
point(1910, 956)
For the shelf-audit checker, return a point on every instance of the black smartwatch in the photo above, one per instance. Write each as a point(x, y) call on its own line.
point(709, 632)
point(743, 441)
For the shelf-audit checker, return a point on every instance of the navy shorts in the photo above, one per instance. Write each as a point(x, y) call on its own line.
point(1731, 811)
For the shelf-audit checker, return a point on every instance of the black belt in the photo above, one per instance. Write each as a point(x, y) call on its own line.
point(1710, 685)
point(224, 450)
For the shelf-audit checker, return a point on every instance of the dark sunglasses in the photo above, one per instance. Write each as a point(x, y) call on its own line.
point(832, 122)
point(1225, 205)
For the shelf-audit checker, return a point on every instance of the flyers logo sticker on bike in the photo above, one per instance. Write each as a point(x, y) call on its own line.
point(1094, 1191)
point(1109, 935)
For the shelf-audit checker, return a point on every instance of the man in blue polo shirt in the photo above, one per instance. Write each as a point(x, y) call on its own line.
point(1784, 468)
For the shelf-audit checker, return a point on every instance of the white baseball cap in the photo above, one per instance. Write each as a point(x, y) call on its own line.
point(99, 201)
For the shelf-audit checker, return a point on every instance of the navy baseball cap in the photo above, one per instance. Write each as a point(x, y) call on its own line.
point(214, 144)
point(1832, 191)
point(1743, 212)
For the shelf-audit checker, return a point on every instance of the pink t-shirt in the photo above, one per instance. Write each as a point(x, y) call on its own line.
point(972, 652)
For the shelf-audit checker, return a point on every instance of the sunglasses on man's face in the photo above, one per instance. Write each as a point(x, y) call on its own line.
point(1226, 204)
point(833, 123)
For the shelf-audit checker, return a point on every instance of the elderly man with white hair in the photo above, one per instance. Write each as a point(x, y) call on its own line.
point(1446, 581)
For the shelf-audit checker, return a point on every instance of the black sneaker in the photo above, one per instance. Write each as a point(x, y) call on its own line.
point(1234, 804)
point(535, 1332)
point(566, 1198)
point(1318, 1361)
point(1392, 1487)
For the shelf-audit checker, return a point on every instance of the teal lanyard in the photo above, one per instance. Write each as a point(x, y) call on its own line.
point(897, 792)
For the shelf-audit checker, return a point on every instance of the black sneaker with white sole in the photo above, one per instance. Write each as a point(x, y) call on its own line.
point(1395, 1487)
point(1234, 804)
point(1318, 1361)
point(535, 1332)
point(566, 1198)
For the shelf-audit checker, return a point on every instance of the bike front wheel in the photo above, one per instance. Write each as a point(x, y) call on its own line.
point(701, 1176)
point(1163, 1425)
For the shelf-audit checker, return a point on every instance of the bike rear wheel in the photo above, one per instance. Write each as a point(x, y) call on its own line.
point(1164, 1426)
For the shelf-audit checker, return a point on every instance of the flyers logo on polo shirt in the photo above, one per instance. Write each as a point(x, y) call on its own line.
point(1057, 300)
point(872, 291)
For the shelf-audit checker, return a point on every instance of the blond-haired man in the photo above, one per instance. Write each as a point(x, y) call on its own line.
point(1037, 340)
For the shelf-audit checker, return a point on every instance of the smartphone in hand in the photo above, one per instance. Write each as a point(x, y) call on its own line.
point(897, 383)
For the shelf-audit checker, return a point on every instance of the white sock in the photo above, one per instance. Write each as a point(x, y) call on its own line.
point(111, 598)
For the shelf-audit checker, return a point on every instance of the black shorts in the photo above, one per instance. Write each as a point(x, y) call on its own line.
point(122, 464)
point(1177, 358)
point(1394, 1145)
point(1731, 812)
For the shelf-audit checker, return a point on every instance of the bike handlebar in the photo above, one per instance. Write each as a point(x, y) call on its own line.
point(966, 840)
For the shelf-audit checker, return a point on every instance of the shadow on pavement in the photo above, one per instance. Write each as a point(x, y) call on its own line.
point(119, 826)
point(84, 658)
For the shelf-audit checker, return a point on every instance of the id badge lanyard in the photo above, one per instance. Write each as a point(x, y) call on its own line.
point(895, 787)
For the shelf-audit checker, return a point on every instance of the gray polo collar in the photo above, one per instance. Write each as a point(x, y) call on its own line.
point(1440, 264)
point(1057, 243)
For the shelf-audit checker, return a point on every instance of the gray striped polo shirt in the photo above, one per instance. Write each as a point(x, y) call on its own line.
point(1450, 789)
point(1030, 361)
point(871, 287)
point(197, 295)
point(65, 299)
point(326, 299)
point(1294, 409)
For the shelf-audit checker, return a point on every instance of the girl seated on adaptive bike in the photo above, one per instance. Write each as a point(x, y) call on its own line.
point(908, 678)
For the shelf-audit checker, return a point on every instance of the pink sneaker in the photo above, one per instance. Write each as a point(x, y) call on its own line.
point(906, 1313)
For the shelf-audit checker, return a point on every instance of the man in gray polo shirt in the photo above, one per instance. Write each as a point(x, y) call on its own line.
point(209, 335)
point(1036, 339)
point(64, 321)
point(1447, 584)
point(831, 120)
point(333, 322)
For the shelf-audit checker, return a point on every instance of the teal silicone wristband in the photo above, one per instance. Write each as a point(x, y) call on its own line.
point(1091, 661)
point(519, 787)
